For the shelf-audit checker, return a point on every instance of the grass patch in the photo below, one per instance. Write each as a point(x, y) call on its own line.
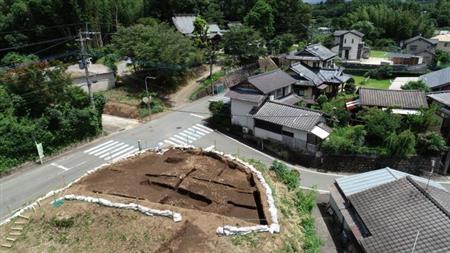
point(361, 81)
point(378, 54)
point(206, 84)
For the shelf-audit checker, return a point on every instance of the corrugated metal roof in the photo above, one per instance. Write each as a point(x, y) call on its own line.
point(289, 116)
point(185, 25)
point(404, 99)
point(360, 182)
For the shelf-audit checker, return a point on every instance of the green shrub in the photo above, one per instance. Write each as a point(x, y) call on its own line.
point(401, 144)
point(430, 144)
point(379, 124)
point(221, 115)
point(343, 140)
point(289, 177)
point(63, 222)
point(416, 85)
point(382, 72)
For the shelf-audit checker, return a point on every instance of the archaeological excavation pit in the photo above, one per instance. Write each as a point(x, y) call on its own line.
point(191, 178)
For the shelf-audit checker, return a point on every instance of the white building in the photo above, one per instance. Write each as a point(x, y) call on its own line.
point(349, 44)
point(101, 77)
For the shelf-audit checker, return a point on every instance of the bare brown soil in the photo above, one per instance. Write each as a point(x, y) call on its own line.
point(187, 179)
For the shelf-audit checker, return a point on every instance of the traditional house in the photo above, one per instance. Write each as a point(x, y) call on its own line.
point(349, 45)
point(437, 80)
point(185, 25)
point(443, 42)
point(400, 101)
point(247, 96)
point(421, 46)
point(405, 59)
point(314, 56)
point(297, 128)
point(313, 82)
point(391, 211)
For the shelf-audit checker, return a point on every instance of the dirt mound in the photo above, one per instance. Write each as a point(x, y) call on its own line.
point(121, 110)
point(187, 179)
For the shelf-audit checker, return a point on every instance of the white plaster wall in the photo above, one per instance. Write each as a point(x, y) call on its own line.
point(353, 54)
point(240, 113)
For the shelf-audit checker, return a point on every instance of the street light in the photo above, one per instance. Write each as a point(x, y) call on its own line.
point(147, 101)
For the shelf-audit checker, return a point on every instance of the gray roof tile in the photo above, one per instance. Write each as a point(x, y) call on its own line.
point(245, 96)
point(405, 99)
point(270, 81)
point(394, 212)
point(420, 37)
point(442, 97)
point(436, 79)
point(342, 32)
point(289, 116)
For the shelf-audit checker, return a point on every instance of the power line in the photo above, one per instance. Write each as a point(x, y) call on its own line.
point(52, 46)
point(36, 43)
point(44, 28)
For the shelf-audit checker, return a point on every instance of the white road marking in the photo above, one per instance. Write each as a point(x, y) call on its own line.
point(126, 154)
point(124, 146)
point(110, 149)
point(200, 130)
point(204, 127)
point(198, 116)
point(120, 152)
point(98, 146)
point(182, 139)
point(60, 166)
point(189, 137)
point(193, 132)
point(101, 148)
point(177, 141)
point(171, 143)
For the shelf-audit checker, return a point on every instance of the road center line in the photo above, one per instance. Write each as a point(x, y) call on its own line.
point(196, 115)
point(60, 166)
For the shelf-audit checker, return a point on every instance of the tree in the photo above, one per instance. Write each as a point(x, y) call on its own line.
point(261, 18)
point(345, 140)
point(416, 85)
point(204, 41)
point(13, 59)
point(379, 124)
point(430, 143)
point(282, 43)
point(243, 45)
point(158, 49)
point(292, 16)
point(402, 144)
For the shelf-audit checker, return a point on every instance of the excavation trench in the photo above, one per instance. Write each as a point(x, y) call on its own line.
point(188, 179)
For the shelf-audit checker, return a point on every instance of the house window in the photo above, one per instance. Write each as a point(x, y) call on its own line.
point(268, 126)
point(301, 92)
point(345, 40)
point(445, 44)
point(287, 133)
point(353, 41)
point(279, 93)
point(312, 139)
point(413, 47)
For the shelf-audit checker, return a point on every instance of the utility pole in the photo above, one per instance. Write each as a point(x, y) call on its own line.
point(147, 101)
point(85, 65)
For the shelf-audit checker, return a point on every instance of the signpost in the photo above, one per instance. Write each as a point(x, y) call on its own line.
point(40, 151)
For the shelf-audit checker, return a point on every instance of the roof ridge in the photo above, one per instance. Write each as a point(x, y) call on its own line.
point(264, 73)
point(428, 196)
point(296, 107)
point(367, 88)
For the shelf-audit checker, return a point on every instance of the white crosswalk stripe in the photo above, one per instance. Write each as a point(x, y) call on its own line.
point(188, 135)
point(111, 150)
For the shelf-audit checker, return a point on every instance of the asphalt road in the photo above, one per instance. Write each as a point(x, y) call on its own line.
point(177, 127)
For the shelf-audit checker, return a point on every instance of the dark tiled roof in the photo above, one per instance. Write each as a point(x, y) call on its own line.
point(442, 97)
point(394, 212)
point(437, 78)
point(320, 51)
point(418, 37)
point(342, 32)
point(290, 99)
point(306, 73)
point(404, 99)
point(270, 81)
point(245, 96)
point(289, 116)
point(320, 76)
